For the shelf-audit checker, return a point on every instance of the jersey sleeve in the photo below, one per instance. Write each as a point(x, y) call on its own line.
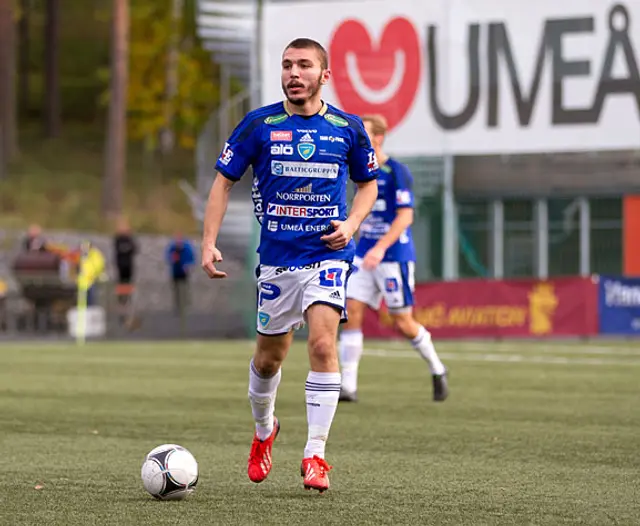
point(240, 150)
point(363, 165)
point(404, 188)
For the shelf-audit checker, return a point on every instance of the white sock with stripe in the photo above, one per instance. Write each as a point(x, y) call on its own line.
point(351, 346)
point(423, 344)
point(322, 391)
point(262, 396)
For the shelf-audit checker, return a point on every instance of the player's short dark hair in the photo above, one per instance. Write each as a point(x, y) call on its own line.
point(308, 43)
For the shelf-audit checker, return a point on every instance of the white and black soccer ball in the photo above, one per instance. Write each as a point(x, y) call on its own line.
point(169, 472)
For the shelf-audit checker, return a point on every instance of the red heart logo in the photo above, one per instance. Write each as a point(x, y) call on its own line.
point(383, 80)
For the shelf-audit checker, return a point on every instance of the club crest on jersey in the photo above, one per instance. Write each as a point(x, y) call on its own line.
point(306, 150)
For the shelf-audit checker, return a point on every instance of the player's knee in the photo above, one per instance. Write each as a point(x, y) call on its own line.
point(323, 349)
point(406, 325)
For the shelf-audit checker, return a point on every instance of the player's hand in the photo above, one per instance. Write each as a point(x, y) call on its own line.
point(340, 237)
point(210, 256)
point(373, 258)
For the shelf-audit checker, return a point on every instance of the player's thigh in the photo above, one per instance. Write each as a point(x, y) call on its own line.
point(362, 286)
point(397, 282)
point(355, 314)
point(279, 301)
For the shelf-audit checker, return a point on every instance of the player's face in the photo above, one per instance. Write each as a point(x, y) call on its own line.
point(376, 140)
point(302, 75)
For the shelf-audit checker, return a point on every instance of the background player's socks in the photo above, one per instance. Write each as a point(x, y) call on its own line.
point(423, 344)
point(350, 354)
point(262, 395)
point(322, 391)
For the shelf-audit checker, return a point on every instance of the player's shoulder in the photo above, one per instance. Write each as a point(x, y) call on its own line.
point(271, 114)
point(342, 119)
point(399, 169)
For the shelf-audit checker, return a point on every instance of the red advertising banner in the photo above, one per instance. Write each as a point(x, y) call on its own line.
point(497, 309)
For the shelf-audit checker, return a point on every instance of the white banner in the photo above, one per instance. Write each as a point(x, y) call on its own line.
point(475, 76)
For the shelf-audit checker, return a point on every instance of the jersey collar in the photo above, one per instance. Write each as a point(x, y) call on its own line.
point(322, 111)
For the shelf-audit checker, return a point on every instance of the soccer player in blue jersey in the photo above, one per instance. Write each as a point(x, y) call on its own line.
point(384, 268)
point(302, 152)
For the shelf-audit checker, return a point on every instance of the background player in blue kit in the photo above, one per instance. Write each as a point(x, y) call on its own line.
point(384, 267)
point(302, 151)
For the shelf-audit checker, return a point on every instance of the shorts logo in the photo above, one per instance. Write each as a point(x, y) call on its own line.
point(263, 319)
point(304, 169)
point(391, 285)
point(281, 136)
point(335, 295)
point(268, 292)
point(331, 277)
point(308, 212)
point(306, 150)
point(309, 266)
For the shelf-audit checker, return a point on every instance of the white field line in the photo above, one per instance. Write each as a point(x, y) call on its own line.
point(632, 350)
point(504, 358)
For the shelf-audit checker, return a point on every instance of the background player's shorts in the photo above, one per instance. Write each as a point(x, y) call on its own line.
point(285, 293)
point(395, 282)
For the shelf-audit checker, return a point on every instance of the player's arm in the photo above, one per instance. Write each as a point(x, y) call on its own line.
point(402, 221)
point(238, 153)
point(363, 170)
point(213, 216)
point(404, 218)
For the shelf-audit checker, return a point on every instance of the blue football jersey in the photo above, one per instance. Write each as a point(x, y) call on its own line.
point(395, 190)
point(300, 169)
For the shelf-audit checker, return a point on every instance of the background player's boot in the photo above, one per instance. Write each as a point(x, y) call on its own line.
point(259, 464)
point(314, 470)
point(440, 387)
point(347, 396)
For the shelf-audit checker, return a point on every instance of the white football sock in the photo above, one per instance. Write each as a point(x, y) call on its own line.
point(262, 395)
point(322, 391)
point(423, 344)
point(351, 344)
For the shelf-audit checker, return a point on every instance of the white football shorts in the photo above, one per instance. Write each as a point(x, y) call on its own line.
point(285, 293)
point(395, 282)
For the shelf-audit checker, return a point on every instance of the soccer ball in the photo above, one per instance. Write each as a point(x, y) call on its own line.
point(169, 472)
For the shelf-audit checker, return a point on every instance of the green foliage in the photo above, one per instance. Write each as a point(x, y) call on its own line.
point(150, 40)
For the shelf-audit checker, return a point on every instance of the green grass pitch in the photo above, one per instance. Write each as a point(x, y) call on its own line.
point(533, 433)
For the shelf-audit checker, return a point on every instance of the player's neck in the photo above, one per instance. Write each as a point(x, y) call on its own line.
point(309, 108)
point(382, 157)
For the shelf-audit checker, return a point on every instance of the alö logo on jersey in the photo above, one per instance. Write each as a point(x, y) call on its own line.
point(308, 212)
point(376, 75)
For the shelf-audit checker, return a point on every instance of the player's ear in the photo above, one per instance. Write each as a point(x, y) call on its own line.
point(326, 76)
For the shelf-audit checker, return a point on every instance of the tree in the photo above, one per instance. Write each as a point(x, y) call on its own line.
point(52, 74)
point(116, 143)
point(8, 117)
point(173, 84)
point(24, 50)
point(167, 135)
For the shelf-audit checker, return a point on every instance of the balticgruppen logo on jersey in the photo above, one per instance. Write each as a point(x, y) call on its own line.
point(276, 119)
point(306, 150)
point(336, 121)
